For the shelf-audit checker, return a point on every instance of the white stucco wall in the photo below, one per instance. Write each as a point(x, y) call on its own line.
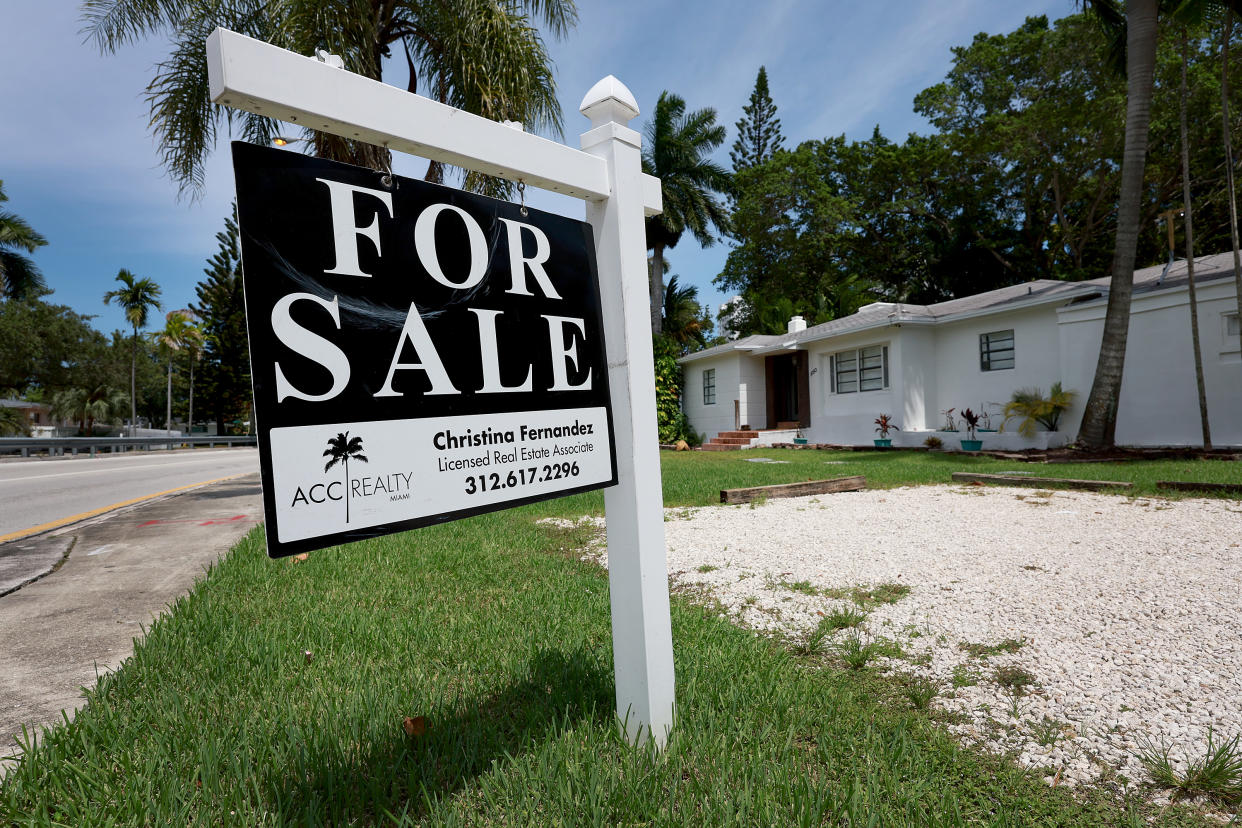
point(932, 368)
point(1159, 404)
point(962, 382)
point(710, 420)
point(850, 418)
point(752, 393)
point(917, 349)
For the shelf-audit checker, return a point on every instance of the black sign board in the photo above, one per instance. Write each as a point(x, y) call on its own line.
point(419, 353)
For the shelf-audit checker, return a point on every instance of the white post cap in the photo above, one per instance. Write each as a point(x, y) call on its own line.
point(609, 101)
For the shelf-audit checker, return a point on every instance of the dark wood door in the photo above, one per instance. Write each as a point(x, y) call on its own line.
point(788, 389)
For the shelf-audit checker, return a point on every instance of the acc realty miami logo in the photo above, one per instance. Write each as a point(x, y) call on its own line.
point(342, 450)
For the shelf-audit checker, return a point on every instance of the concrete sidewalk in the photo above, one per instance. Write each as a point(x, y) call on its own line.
point(115, 573)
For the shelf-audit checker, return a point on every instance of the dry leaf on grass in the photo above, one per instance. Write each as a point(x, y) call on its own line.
point(302, 556)
point(415, 726)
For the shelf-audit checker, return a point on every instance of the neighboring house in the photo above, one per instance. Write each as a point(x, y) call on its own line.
point(38, 416)
point(832, 380)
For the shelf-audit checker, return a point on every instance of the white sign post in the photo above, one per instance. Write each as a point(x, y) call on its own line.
point(257, 77)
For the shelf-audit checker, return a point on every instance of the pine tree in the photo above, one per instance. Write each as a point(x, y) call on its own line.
point(226, 351)
point(758, 130)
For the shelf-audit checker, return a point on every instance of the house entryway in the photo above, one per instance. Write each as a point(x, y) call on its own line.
point(788, 386)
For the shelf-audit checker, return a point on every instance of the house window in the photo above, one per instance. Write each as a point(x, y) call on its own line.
point(996, 350)
point(709, 386)
point(864, 369)
point(1232, 327)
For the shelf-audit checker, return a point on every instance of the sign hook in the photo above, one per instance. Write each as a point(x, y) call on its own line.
point(521, 188)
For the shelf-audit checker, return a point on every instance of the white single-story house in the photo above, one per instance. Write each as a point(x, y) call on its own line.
point(913, 362)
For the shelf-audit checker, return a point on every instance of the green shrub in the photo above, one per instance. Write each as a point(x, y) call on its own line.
point(1033, 408)
point(671, 422)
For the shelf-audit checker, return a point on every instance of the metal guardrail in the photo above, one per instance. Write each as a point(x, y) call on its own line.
point(57, 446)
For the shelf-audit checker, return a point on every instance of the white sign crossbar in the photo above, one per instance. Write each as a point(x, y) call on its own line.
point(258, 77)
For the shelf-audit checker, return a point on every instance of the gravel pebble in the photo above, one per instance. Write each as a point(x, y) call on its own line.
point(1128, 609)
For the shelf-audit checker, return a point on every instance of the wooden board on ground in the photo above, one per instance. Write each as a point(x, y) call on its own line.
point(1036, 482)
point(1187, 486)
point(808, 487)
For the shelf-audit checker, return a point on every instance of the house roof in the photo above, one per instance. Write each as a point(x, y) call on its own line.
point(753, 342)
point(25, 404)
point(1207, 269)
point(1029, 294)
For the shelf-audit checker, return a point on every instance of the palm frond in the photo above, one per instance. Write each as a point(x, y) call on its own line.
point(20, 277)
point(677, 149)
point(115, 23)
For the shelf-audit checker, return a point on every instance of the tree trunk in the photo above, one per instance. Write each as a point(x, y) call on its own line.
point(1233, 199)
point(168, 399)
point(657, 288)
point(133, 386)
point(1190, 255)
point(1099, 419)
point(347, 488)
point(190, 415)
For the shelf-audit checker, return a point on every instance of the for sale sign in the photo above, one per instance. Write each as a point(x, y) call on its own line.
point(419, 354)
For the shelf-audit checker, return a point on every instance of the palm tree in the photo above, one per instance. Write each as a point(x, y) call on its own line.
point(1188, 216)
point(19, 277)
point(684, 321)
point(171, 339)
point(1099, 419)
point(675, 150)
point(13, 422)
point(1133, 36)
point(341, 447)
point(483, 56)
point(194, 342)
point(86, 405)
point(1225, 131)
point(137, 298)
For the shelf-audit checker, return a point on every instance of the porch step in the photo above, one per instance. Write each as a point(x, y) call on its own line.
point(730, 441)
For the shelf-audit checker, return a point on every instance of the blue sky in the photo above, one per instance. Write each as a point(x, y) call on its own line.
point(79, 163)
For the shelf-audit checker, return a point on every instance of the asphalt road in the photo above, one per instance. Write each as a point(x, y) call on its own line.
point(36, 492)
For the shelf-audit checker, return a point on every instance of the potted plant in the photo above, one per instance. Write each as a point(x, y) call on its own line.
point(971, 419)
point(884, 424)
point(800, 439)
point(949, 425)
point(985, 419)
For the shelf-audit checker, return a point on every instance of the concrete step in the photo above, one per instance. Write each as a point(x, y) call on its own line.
point(732, 441)
point(750, 435)
point(720, 447)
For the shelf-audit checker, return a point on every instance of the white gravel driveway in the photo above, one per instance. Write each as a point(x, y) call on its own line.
point(1129, 610)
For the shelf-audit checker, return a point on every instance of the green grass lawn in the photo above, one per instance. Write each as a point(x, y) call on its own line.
point(494, 631)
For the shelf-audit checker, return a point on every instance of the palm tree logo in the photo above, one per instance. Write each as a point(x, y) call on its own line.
point(343, 448)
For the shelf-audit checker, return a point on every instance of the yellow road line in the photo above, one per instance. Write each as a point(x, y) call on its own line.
point(44, 527)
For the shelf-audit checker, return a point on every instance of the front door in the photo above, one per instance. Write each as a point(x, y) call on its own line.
point(787, 390)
